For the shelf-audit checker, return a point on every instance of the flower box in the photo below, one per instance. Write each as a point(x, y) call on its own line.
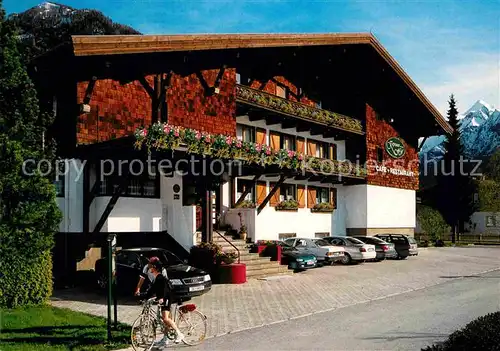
point(287, 209)
point(273, 251)
point(321, 210)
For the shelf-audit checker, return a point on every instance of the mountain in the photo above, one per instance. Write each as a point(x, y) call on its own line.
point(480, 134)
point(49, 24)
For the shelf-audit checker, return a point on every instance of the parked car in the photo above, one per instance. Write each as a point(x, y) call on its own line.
point(383, 249)
point(296, 259)
point(405, 245)
point(355, 250)
point(324, 252)
point(187, 281)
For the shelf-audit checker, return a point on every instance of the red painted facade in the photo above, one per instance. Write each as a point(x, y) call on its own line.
point(377, 133)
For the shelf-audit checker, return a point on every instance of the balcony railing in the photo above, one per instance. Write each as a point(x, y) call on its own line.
point(299, 110)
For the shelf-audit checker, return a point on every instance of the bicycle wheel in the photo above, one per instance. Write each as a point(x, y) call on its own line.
point(143, 334)
point(193, 325)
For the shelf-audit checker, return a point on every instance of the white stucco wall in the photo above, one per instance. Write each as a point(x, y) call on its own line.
point(478, 226)
point(129, 214)
point(355, 198)
point(390, 207)
point(71, 205)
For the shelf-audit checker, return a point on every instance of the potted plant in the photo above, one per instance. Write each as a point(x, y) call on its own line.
point(246, 204)
point(323, 207)
point(243, 232)
point(243, 229)
point(287, 205)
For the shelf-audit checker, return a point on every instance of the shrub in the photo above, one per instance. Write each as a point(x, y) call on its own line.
point(26, 281)
point(432, 223)
point(480, 334)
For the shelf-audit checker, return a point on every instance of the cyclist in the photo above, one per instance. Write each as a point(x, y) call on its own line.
point(161, 289)
point(146, 272)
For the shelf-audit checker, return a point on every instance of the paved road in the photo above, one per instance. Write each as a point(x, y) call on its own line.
point(408, 321)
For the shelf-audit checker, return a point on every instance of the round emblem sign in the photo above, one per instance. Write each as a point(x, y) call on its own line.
point(177, 188)
point(395, 147)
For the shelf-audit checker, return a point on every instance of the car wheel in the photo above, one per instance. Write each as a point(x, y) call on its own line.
point(102, 281)
point(346, 259)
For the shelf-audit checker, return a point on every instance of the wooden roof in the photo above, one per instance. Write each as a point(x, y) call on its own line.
point(98, 45)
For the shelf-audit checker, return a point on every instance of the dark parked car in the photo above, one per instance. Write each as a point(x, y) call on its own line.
point(296, 259)
point(382, 248)
point(405, 245)
point(187, 281)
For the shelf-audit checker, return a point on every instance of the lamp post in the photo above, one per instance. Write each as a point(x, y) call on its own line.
point(111, 270)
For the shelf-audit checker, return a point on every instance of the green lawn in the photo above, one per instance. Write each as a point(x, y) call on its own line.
point(56, 329)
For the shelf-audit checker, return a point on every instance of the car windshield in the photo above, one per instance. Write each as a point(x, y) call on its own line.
point(371, 240)
point(284, 245)
point(321, 242)
point(166, 257)
point(354, 241)
point(412, 240)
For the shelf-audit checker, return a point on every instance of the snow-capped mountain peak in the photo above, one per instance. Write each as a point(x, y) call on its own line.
point(479, 133)
point(480, 105)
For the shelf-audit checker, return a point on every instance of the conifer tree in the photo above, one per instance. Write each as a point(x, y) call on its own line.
point(29, 216)
point(455, 187)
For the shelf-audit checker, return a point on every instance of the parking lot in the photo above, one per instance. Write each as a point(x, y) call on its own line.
point(261, 302)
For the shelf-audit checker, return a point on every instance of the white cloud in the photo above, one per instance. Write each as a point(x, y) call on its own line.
point(470, 80)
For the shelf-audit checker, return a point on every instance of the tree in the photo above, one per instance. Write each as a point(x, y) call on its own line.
point(29, 215)
point(493, 167)
point(45, 26)
point(432, 223)
point(455, 188)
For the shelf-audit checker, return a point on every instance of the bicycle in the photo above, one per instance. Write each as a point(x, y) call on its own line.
point(145, 327)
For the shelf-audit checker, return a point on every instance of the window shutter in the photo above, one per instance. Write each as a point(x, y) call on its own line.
point(260, 136)
point(301, 145)
point(333, 151)
point(301, 196)
point(311, 197)
point(261, 192)
point(333, 197)
point(275, 141)
point(311, 148)
point(275, 199)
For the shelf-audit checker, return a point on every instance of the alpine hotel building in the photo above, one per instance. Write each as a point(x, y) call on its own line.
point(335, 97)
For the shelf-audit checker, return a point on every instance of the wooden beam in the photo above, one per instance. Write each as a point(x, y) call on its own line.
point(421, 144)
point(254, 116)
point(89, 91)
point(147, 87)
point(247, 190)
point(316, 131)
point(271, 194)
point(111, 204)
point(302, 127)
point(270, 121)
point(288, 123)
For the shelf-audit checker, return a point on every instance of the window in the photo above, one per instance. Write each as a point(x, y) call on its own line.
point(60, 186)
point(281, 91)
point(322, 195)
point(145, 184)
point(245, 133)
point(476, 198)
point(319, 104)
point(322, 150)
point(321, 235)
point(288, 142)
point(380, 154)
point(287, 238)
point(288, 192)
point(238, 78)
point(242, 185)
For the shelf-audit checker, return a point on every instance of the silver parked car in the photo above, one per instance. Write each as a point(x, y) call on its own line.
point(355, 250)
point(324, 252)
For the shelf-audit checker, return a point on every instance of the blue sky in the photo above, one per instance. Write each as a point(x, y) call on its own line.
point(445, 46)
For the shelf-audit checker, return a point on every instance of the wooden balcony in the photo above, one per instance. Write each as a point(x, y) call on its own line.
point(299, 111)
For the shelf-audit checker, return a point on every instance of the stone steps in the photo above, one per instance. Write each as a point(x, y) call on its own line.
point(257, 266)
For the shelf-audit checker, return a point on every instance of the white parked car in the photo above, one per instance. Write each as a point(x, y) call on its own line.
point(324, 252)
point(355, 250)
